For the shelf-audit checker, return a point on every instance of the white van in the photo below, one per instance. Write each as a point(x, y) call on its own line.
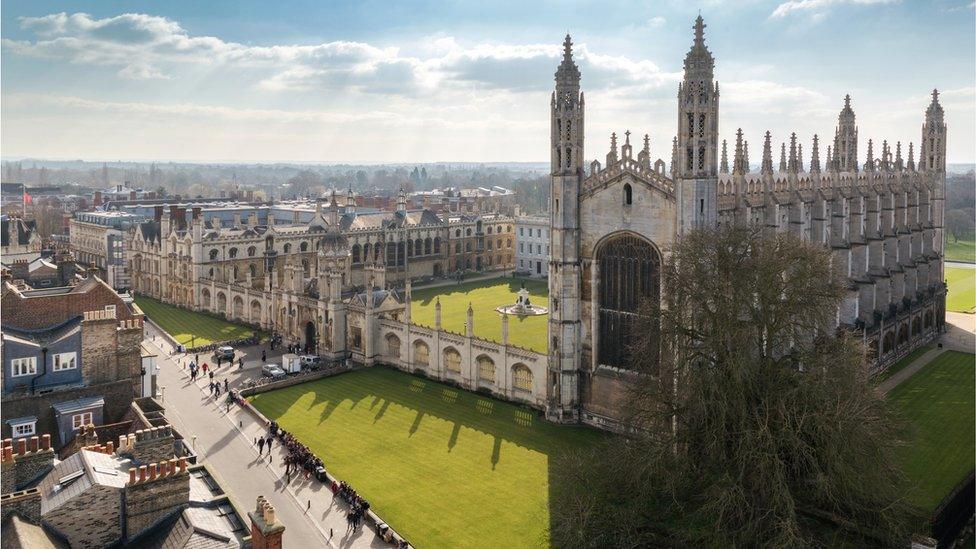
point(291, 363)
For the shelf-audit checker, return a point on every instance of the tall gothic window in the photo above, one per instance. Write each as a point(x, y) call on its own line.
point(630, 271)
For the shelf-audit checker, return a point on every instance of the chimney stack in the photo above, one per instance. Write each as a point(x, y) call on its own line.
point(266, 531)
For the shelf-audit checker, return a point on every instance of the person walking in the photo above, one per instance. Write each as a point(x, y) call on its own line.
point(264, 356)
point(270, 439)
point(205, 367)
point(240, 363)
point(226, 385)
point(260, 446)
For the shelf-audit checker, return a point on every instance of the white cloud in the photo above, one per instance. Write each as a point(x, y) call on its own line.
point(655, 22)
point(816, 9)
point(141, 71)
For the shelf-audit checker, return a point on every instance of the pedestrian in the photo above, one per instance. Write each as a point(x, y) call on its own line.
point(211, 375)
point(270, 438)
point(205, 367)
point(264, 356)
point(226, 387)
point(211, 387)
point(260, 446)
point(196, 358)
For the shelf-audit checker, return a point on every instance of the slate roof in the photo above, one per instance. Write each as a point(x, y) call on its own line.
point(96, 469)
point(40, 309)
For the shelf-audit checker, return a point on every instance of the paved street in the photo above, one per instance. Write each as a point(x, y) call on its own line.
point(225, 440)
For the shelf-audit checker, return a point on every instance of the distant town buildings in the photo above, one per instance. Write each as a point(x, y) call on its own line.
point(97, 240)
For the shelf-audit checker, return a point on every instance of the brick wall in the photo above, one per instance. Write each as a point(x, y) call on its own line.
point(24, 462)
point(165, 490)
point(117, 394)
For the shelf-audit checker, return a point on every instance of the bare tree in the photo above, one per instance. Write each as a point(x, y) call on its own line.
point(752, 423)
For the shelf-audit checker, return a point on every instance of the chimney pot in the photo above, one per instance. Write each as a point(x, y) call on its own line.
point(132, 475)
point(269, 515)
point(132, 441)
point(8, 442)
point(109, 448)
point(153, 470)
point(182, 464)
point(33, 443)
point(45, 441)
point(8, 453)
point(142, 473)
point(21, 446)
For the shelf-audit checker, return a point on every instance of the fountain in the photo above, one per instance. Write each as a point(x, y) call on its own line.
point(523, 305)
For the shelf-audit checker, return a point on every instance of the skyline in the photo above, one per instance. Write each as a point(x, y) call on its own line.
point(381, 84)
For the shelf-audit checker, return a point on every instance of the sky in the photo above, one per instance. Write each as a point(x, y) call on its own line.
point(422, 81)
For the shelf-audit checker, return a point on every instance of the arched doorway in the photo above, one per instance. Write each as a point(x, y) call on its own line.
point(630, 272)
point(310, 337)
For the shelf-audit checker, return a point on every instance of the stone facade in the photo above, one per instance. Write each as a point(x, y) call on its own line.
point(613, 225)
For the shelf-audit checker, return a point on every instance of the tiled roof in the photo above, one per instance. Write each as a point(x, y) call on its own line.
point(37, 310)
point(95, 468)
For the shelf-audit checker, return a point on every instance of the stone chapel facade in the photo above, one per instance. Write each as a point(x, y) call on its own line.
point(613, 223)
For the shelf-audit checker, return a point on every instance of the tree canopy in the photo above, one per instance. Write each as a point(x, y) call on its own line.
point(751, 422)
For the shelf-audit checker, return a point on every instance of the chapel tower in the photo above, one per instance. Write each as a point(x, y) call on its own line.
point(566, 140)
point(696, 166)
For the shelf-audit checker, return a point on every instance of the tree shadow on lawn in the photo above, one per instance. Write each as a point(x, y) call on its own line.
point(501, 420)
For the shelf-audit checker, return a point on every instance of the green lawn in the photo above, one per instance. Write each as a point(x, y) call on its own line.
point(188, 327)
point(962, 289)
point(938, 403)
point(900, 365)
point(964, 250)
point(484, 296)
point(445, 467)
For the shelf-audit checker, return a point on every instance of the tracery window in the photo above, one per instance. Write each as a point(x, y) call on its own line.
point(486, 369)
point(452, 360)
point(630, 270)
point(421, 353)
point(522, 377)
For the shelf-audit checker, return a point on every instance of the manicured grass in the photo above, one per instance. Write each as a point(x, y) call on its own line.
point(484, 296)
point(963, 250)
point(189, 327)
point(938, 403)
point(900, 365)
point(962, 289)
point(445, 467)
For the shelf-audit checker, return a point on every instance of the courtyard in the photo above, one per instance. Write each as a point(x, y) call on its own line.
point(938, 404)
point(484, 296)
point(962, 289)
point(445, 467)
point(191, 328)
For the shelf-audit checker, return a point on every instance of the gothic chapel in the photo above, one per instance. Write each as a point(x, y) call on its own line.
point(612, 223)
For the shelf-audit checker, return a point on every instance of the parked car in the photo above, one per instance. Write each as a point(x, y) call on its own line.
point(311, 361)
point(224, 353)
point(272, 370)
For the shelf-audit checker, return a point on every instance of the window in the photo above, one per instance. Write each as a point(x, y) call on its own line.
point(65, 361)
point(232, 253)
point(521, 231)
point(23, 429)
point(421, 353)
point(251, 251)
point(287, 248)
point(452, 360)
point(522, 377)
point(303, 246)
point(521, 247)
point(110, 309)
point(213, 255)
point(23, 366)
point(628, 195)
point(486, 369)
point(80, 420)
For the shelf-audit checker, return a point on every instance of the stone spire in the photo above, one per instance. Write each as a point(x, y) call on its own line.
point(932, 152)
point(739, 158)
point(745, 154)
point(869, 163)
point(644, 157)
point(845, 139)
point(782, 157)
point(899, 163)
point(612, 155)
point(792, 165)
point(767, 159)
point(627, 150)
point(885, 155)
point(799, 157)
point(911, 156)
point(568, 74)
point(674, 156)
point(830, 159)
point(401, 200)
point(724, 166)
point(815, 155)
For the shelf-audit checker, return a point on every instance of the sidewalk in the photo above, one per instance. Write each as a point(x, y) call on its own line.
point(226, 441)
